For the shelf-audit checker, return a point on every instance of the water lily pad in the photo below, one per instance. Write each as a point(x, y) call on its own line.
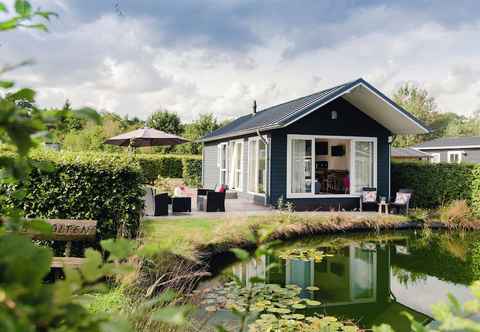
point(299, 306)
point(312, 303)
point(211, 308)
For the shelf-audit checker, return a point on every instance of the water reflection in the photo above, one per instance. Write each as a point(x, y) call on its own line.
point(374, 280)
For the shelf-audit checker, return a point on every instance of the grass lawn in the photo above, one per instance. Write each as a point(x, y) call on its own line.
point(186, 236)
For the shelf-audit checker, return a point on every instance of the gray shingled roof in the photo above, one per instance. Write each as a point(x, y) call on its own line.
point(446, 142)
point(408, 153)
point(280, 115)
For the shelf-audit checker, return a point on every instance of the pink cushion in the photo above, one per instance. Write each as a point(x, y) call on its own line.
point(220, 189)
point(369, 196)
point(402, 198)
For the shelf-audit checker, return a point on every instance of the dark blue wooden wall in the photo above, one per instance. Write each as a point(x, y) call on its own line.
point(350, 122)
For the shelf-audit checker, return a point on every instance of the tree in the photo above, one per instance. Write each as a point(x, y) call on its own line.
point(166, 121)
point(418, 102)
point(205, 124)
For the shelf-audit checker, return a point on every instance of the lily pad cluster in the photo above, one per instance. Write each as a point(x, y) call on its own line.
point(270, 298)
point(294, 323)
point(303, 254)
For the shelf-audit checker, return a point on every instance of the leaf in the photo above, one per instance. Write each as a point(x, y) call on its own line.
point(23, 7)
point(172, 315)
point(39, 226)
point(9, 24)
point(38, 26)
point(45, 15)
point(118, 248)
point(23, 94)
point(241, 254)
point(3, 8)
point(6, 84)
point(91, 269)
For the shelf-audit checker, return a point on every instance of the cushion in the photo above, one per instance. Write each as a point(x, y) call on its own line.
point(369, 196)
point(402, 198)
point(220, 189)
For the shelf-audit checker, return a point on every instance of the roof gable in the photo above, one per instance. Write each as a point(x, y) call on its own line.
point(450, 142)
point(359, 93)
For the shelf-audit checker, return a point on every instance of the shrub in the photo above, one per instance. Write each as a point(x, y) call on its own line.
point(475, 199)
point(192, 171)
point(435, 185)
point(107, 188)
point(155, 165)
point(171, 166)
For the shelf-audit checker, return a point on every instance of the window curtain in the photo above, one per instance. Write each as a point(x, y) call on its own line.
point(231, 172)
point(298, 166)
point(252, 165)
point(363, 165)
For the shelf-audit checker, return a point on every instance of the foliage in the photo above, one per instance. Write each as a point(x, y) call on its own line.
point(205, 124)
point(192, 171)
point(451, 316)
point(419, 102)
point(303, 254)
point(457, 213)
point(90, 136)
point(166, 121)
point(170, 166)
point(434, 185)
point(475, 185)
point(28, 304)
point(106, 188)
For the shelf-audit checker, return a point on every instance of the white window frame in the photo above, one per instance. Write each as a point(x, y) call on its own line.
point(352, 140)
point(219, 163)
point(434, 157)
point(255, 171)
point(241, 142)
point(458, 153)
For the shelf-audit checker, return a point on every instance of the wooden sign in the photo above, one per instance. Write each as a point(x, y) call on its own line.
point(68, 230)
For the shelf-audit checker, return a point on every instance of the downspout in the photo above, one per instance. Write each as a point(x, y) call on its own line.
point(267, 193)
point(391, 139)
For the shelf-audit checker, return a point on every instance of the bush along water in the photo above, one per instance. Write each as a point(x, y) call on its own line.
point(438, 185)
point(106, 188)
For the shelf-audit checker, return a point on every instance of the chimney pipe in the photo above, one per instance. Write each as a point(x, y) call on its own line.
point(254, 107)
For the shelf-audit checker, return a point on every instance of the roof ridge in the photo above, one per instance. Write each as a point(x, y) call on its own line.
point(309, 95)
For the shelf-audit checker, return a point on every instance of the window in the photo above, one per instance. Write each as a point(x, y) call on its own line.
point(435, 158)
point(343, 170)
point(301, 166)
point(454, 157)
point(222, 162)
point(364, 167)
point(257, 168)
point(236, 165)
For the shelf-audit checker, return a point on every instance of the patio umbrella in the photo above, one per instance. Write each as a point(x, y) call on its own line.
point(145, 137)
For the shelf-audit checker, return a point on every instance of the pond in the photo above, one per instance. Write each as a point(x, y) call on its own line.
point(371, 279)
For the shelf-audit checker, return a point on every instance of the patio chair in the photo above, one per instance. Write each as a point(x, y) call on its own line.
point(402, 200)
point(215, 202)
point(368, 198)
point(161, 204)
point(181, 204)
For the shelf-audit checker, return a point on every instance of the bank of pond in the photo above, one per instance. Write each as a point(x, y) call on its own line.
point(363, 279)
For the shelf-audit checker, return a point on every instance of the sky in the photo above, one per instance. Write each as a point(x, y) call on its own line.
point(217, 56)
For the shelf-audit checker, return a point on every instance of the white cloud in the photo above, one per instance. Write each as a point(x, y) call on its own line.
point(131, 66)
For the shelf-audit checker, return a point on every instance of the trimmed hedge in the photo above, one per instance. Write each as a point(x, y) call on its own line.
point(438, 184)
point(104, 187)
point(192, 171)
point(188, 167)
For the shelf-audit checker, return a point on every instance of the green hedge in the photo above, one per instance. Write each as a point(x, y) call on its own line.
point(104, 187)
point(438, 184)
point(188, 167)
point(192, 171)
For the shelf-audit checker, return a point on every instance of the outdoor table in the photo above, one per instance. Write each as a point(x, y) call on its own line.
point(383, 206)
